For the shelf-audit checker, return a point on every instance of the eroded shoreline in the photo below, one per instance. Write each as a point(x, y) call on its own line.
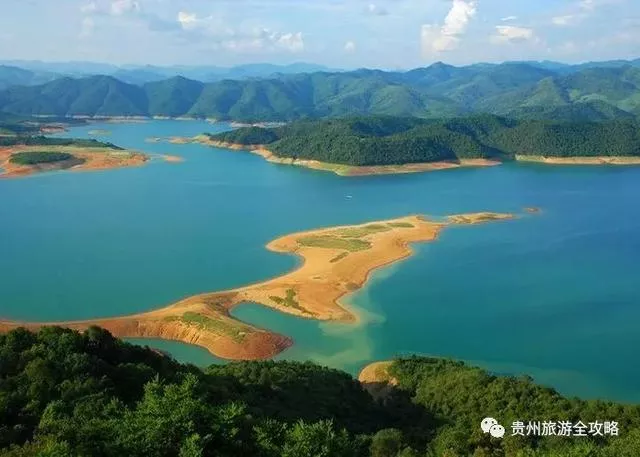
point(336, 261)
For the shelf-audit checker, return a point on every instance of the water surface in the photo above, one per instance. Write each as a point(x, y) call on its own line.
point(554, 295)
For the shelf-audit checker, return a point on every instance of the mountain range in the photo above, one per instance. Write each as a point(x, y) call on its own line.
point(35, 72)
point(517, 89)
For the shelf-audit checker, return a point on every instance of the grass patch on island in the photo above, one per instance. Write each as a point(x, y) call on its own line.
point(400, 225)
point(38, 157)
point(339, 257)
point(334, 242)
point(289, 301)
point(359, 232)
point(211, 324)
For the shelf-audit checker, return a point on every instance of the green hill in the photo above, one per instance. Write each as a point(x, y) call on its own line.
point(509, 89)
point(395, 141)
point(172, 97)
point(63, 393)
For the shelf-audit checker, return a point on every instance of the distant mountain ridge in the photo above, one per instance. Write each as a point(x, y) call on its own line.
point(513, 89)
point(141, 74)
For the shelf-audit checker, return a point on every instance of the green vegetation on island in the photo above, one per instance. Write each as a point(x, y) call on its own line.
point(519, 90)
point(36, 157)
point(289, 300)
point(395, 141)
point(39, 140)
point(63, 393)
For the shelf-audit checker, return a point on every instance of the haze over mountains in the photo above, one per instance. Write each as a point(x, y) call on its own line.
point(549, 90)
point(36, 72)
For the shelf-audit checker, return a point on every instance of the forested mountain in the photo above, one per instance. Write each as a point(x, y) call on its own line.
point(11, 76)
point(393, 141)
point(68, 394)
point(520, 90)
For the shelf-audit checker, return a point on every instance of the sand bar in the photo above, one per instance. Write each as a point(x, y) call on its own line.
point(336, 261)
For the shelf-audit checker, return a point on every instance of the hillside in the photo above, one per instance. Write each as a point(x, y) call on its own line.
point(11, 76)
point(393, 141)
point(64, 393)
point(520, 90)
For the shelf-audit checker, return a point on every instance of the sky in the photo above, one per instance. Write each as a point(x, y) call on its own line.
point(388, 34)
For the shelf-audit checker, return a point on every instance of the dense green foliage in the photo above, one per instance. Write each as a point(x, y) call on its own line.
point(40, 140)
point(523, 90)
point(389, 140)
point(36, 157)
point(68, 394)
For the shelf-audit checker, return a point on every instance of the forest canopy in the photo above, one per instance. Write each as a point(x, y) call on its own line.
point(36, 157)
point(64, 393)
point(396, 141)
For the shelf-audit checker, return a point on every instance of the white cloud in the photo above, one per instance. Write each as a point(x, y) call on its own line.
point(264, 40)
point(292, 42)
point(89, 8)
point(512, 34)
point(435, 38)
point(587, 4)
point(376, 10)
point(87, 27)
point(564, 20)
point(120, 7)
point(187, 20)
point(509, 18)
point(350, 47)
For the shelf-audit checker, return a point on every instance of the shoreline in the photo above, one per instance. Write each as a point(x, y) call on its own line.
point(337, 261)
point(591, 160)
point(84, 159)
point(362, 170)
point(340, 169)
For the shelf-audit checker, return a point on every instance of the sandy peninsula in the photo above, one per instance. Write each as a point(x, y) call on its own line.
point(83, 159)
point(336, 261)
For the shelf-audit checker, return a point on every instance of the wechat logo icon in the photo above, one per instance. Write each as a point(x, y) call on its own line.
point(490, 425)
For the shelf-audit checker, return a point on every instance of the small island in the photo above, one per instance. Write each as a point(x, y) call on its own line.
point(336, 261)
point(25, 156)
point(388, 145)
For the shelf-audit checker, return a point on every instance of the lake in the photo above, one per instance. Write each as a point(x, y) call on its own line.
point(553, 295)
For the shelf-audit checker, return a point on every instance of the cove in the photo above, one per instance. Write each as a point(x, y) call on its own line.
point(553, 295)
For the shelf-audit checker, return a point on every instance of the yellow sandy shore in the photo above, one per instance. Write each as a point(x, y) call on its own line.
point(376, 380)
point(603, 160)
point(336, 261)
point(173, 159)
point(377, 372)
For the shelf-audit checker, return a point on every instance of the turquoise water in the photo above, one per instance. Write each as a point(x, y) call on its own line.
point(553, 295)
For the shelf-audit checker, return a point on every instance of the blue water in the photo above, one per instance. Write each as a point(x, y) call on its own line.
point(553, 295)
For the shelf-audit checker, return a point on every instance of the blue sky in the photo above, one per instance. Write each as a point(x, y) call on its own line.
point(337, 33)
